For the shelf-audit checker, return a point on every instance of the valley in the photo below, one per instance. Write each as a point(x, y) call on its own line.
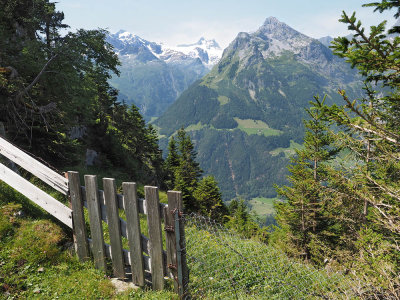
point(245, 116)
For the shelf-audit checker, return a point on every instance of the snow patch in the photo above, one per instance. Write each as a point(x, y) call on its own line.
point(252, 94)
point(282, 93)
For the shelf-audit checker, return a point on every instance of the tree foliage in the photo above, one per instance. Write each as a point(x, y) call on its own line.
point(302, 215)
point(209, 199)
point(52, 84)
point(49, 81)
point(358, 195)
point(188, 172)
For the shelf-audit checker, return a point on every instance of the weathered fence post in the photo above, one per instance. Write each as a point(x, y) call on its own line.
point(133, 232)
point(155, 237)
point(176, 252)
point(172, 265)
point(114, 227)
point(96, 228)
point(78, 218)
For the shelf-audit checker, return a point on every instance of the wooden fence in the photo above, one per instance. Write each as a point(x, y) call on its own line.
point(146, 259)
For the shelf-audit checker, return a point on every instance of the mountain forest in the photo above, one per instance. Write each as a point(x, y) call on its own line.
point(312, 126)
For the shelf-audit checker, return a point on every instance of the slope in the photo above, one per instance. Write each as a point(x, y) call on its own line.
point(265, 78)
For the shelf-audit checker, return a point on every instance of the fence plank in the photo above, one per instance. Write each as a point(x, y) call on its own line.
point(78, 218)
point(141, 203)
point(45, 201)
point(170, 236)
point(114, 227)
point(127, 257)
point(178, 258)
point(96, 227)
point(22, 159)
point(155, 237)
point(133, 232)
point(145, 240)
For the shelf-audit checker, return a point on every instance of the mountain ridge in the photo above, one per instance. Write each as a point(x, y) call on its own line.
point(246, 114)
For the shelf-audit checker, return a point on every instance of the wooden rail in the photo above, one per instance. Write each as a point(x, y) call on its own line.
point(34, 167)
point(45, 201)
point(146, 259)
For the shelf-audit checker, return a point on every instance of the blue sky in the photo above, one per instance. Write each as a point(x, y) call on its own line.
point(185, 21)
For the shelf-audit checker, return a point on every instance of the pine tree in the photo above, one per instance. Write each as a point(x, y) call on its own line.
point(240, 220)
point(188, 172)
point(171, 163)
point(361, 196)
point(209, 199)
point(49, 83)
point(376, 127)
point(301, 215)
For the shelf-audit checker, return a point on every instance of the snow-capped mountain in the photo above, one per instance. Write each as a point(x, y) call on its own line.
point(126, 43)
point(208, 51)
point(153, 75)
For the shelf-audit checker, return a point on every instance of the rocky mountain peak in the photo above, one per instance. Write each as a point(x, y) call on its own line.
point(271, 39)
point(326, 40)
point(274, 29)
point(275, 38)
point(208, 51)
point(271, 21)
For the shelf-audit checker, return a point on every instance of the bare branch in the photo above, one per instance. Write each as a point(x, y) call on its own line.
point(384, 189)
point(375, 132)
point(26, 90)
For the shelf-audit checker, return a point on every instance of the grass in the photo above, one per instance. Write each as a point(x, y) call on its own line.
point(225, 266)
point(194, 127)
point(256, 127)
point(262, 206)
point(223, 100)
point(289, 152)
point(37, 260)
point(152, 120)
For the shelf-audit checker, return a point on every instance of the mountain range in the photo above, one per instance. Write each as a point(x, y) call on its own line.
point(245, 115)
point(153, 76)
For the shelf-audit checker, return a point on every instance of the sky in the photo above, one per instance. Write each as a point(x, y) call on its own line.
point(175, 22)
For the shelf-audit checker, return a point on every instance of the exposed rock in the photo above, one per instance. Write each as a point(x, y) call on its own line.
point(77, 132)
point(122, 286)
point(91, 157)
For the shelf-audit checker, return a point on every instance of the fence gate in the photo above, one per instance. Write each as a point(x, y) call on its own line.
point(146, 260)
